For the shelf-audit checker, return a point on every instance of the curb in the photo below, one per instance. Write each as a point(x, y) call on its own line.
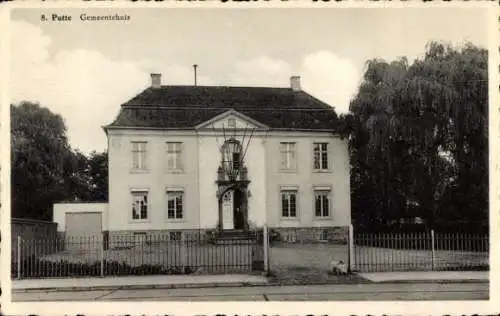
point(137, 287)
point(438, 281)
point(216, 285)
point(269, 283)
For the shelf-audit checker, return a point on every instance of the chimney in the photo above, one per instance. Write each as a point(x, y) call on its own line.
point(155, 80)
point(295, 83)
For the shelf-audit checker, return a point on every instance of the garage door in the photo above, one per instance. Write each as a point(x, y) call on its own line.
point(83, 230)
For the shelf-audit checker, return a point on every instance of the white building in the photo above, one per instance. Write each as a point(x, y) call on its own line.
point(191, 158)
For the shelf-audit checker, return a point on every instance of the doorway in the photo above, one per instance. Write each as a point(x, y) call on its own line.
point(239, 212)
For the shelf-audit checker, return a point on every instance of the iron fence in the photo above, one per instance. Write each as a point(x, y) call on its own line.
point(139, 254)
point(379, 252)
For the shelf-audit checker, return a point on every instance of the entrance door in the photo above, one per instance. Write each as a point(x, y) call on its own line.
point(239, 216)
point(227, 210)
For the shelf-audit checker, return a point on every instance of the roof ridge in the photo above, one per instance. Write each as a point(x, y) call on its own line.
point(219, 86)
point(236, 107)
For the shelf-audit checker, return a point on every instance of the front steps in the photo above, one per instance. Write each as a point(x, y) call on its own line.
point(235, 236)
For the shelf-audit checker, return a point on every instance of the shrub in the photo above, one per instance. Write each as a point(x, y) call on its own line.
point(274, 235)
point(36, 268)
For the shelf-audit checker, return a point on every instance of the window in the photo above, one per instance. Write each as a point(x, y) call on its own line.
point(236, 161)
point(289, 203)
point(174, 156)
point(140, 237)
point(323, 235)
point(175, 204)
point(320, 156)
point(290, 237)
point(139, 205)
point(287, 156)
point(231, 158)
point(322, 203)
point(139, 155)
point(231, 123)
point(175, 236)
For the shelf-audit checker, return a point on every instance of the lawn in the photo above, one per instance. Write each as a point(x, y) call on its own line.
point(200, 257)
point(307, 263)
point(310, 263)
point(298, 263)
point(307, 255)
point(386, 259)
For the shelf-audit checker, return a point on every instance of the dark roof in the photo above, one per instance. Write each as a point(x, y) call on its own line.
point(189, 106)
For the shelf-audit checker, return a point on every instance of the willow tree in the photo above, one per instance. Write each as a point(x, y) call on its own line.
point(421, 136)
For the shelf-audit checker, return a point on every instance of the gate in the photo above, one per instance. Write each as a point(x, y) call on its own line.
point(305, 255)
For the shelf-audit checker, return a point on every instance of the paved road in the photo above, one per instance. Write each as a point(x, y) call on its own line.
point(430, 291)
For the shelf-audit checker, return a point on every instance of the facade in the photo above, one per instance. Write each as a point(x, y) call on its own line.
point(197, 158)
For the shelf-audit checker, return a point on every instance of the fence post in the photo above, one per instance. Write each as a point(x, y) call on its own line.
point(350, 249)
point(101, 252)
point(433, 260)
point(183, 252)
point(19, 257)
point(266, 249)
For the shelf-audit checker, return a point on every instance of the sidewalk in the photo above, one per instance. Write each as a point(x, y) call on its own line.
point(137, 282)
point(427, 276)
point(233, 280)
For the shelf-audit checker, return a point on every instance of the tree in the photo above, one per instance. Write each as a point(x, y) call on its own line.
point(420, 137)
point(45, 170)
point(41, 160)
point(98, 174)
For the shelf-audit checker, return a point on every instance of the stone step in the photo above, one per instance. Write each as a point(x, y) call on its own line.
point(237, 234)
point(233, 241)
point(235, 237)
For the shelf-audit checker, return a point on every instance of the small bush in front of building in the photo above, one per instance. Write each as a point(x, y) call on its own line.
point(211, 236)
point(36, 268)
point(274, 235)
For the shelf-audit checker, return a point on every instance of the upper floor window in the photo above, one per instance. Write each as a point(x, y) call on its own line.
point(320, 156)
point(289, 203)
point(231, 122)
point(175, 205)
point(287, 150)
point(139, 150)
point(139, 205)
point(322, 203)
point(174, 156)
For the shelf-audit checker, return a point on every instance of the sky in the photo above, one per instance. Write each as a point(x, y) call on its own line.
point(84, 71)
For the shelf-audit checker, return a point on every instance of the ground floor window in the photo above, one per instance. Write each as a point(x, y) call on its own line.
point(140, 237)
point(289, 203)
point(139, 205)
point(175, 204)
point(323, 235)
point(322, 203)
point(175, 236)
